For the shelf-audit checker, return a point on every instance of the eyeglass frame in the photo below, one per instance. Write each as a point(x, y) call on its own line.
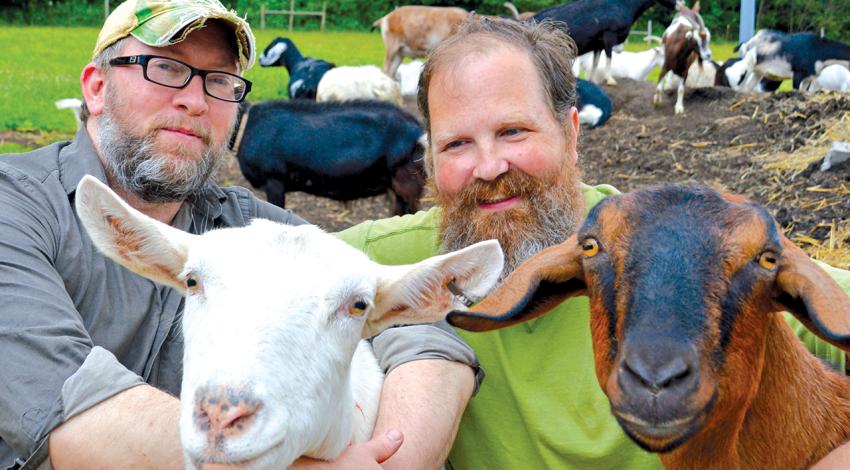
point(142, 59)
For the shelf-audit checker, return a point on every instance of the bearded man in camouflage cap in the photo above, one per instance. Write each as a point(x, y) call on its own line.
point(92, 353)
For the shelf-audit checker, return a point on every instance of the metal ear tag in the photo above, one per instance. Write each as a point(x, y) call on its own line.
point(455, 290)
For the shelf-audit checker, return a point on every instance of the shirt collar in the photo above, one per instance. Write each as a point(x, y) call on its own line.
point(80, 158)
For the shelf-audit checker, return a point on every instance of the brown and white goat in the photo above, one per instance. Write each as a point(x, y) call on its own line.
point(685, 42)
point(685, 287)
point(413, 30)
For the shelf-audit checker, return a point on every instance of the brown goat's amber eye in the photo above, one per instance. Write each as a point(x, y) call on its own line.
point(589, 247)
point(358, 308)
point(767, 260)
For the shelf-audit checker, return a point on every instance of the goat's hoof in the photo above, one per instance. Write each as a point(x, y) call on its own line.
point(656, 101)
point(679, 110)
point(611, 82)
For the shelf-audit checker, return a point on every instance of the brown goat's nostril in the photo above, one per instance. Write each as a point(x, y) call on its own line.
point(657, 376)
point(657, 370)
point(221, 413)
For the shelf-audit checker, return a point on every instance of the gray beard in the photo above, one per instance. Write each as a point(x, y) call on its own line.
point(555, 220)
point(133, 164)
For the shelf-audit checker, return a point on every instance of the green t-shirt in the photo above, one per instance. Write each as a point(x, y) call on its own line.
point(541, 406)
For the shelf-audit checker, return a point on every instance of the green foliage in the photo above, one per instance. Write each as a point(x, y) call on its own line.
point(721, 16)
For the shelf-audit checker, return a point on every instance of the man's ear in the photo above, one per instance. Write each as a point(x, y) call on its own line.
point(93, 81)
point(572, 134)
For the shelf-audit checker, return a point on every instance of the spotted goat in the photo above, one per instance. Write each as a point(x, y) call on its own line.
point(274, 363)
point(685, 42)
point(685, 289)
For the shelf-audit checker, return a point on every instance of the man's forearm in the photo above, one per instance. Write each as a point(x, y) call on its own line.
point(424, 399)
point(137, 428)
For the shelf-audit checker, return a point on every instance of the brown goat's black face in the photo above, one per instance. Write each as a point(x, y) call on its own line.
point(664, 349)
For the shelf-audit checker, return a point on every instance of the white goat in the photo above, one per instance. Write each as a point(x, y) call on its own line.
point(365, 82)
point(832, 77)
point(634, 65)
point(408, 76)
point(700, 75)
point(76, 107)
point(274, 366)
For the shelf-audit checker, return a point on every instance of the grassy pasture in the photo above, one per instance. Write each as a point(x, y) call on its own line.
point(43, 64)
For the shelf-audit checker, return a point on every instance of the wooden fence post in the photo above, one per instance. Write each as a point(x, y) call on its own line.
point(262, 16)
point(324, 12)
point(291, 13)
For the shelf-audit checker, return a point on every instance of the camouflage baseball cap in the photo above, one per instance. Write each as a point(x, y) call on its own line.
point(162, 23)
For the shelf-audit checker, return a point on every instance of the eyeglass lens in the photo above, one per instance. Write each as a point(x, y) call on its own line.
point(174, 74)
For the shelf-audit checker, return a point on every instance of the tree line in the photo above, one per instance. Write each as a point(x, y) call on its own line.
point(721, 16)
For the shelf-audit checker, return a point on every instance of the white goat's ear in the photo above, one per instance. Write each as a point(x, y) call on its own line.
point(421, 293)
point(139, 243)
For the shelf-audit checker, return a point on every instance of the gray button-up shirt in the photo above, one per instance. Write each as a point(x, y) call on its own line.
point(77, 328)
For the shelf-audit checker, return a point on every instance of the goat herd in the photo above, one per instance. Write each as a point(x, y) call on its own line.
point(343, 133)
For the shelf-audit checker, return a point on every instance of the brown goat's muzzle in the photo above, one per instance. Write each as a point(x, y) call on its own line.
point(659, 392)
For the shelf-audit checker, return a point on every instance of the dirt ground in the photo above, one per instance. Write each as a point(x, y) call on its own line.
point(764, 146)
point(767, 147)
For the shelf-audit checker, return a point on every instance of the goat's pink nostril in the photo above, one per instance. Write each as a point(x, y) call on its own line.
point(220, 413)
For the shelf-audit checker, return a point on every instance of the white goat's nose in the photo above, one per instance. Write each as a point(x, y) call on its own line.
point(222, 413)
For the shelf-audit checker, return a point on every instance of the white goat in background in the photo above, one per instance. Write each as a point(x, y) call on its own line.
point(408, 76)
point(365, 82)
point(76, 107)
point(274, 362)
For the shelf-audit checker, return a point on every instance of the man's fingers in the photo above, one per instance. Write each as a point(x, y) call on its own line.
point(384, 447)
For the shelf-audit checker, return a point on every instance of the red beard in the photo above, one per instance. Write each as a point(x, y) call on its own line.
point(549, 211)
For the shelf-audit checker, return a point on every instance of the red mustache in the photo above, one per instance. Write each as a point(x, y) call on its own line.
point(511, 184)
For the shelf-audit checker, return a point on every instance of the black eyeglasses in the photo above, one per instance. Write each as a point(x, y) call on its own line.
point(172, 73)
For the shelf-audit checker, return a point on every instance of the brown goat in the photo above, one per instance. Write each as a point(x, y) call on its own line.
point(413, 30)
point(684, 286)
point(685, 42)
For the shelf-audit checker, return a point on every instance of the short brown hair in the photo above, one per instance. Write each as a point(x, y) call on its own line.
point(550, 48)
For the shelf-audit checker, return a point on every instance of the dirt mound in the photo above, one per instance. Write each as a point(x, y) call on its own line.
point(763, 146)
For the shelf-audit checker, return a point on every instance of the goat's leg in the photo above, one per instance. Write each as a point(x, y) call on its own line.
point(276, 192)
point(592, 76)
point(610, 40)
point(680, 96)
point(393, 57)
point(799, 77)
point(659, 89)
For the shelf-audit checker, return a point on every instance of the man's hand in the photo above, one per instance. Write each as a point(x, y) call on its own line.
point(367, 455)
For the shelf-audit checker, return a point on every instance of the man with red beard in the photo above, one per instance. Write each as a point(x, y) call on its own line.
point(92, 353)
point(498, 99)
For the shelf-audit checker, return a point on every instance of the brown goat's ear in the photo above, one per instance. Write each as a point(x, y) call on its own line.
point(534, 288)
point(813, 297)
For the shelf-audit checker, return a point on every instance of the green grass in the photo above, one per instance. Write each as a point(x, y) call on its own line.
point(13, 147)
point(40, 65)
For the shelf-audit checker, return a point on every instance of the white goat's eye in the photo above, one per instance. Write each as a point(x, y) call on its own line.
point(358, 308)
point(193, 285)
